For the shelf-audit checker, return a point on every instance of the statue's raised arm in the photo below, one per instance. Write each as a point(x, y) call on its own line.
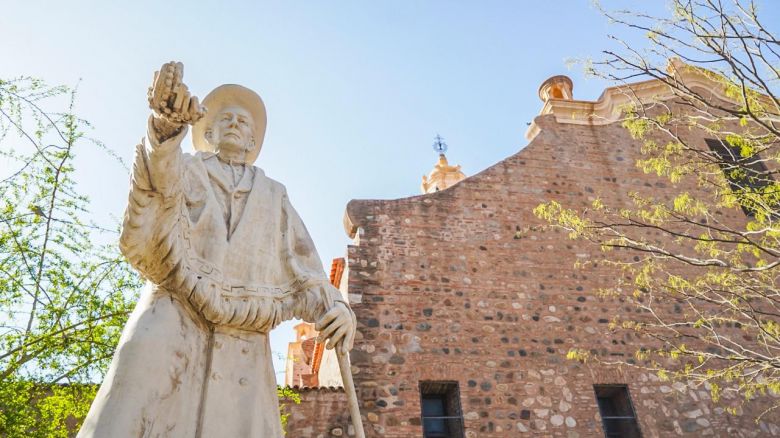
point(148, 232)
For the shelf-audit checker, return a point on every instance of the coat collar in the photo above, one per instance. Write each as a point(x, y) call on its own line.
point(217, 174)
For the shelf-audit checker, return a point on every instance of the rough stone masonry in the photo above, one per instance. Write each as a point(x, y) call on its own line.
point(444, 290)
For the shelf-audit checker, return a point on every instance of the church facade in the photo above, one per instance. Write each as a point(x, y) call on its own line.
point(465, 321)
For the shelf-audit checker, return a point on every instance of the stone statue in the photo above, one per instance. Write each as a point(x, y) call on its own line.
point(226, 259)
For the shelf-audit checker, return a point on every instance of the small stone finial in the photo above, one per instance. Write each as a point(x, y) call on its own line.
point(443, 175)
point(556, 87)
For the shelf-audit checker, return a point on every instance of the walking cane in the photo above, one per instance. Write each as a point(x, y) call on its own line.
point(346, 377)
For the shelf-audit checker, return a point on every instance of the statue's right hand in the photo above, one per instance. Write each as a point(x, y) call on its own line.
point(170, 99)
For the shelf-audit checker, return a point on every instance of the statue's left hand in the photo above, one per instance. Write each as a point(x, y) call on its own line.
point(338, 326)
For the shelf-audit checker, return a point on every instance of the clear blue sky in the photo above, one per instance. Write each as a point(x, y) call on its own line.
point(355, 90)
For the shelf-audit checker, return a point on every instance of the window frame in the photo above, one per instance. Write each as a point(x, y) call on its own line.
point(730, 159)
point(630, 404)
point(451, 394)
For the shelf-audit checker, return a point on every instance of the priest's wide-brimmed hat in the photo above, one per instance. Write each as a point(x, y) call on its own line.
point(225, 96)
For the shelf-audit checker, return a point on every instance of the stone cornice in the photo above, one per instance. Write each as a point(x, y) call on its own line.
point(609, 106)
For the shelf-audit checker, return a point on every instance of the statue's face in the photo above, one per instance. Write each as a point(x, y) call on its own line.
point(232, 130)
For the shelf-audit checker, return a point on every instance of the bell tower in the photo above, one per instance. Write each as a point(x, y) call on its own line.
point(443, 175)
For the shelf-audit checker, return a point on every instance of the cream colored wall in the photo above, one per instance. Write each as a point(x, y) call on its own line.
point(329, 374)
point(329, 370)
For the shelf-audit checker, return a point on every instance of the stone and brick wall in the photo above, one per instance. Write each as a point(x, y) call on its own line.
point(447, 291)
point(322, 413)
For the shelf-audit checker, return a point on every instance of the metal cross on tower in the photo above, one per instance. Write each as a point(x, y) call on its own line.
point(439, 145)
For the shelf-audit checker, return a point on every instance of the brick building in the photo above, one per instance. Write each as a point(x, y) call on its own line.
point(464, 324)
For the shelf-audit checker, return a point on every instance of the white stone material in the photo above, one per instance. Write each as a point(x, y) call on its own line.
point(226, 259)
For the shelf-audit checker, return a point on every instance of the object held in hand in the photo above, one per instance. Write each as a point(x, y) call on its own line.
point(170, 98)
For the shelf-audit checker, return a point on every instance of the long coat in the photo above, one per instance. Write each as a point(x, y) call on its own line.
point(225, 263)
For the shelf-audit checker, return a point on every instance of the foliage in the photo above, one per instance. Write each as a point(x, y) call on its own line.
point(286, 395)
point(63, 297)
point(706, 287)
point(31, 409)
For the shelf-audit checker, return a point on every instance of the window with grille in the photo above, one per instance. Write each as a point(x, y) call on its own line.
point(617, 412)
point(441, 413)
point(745, 174)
